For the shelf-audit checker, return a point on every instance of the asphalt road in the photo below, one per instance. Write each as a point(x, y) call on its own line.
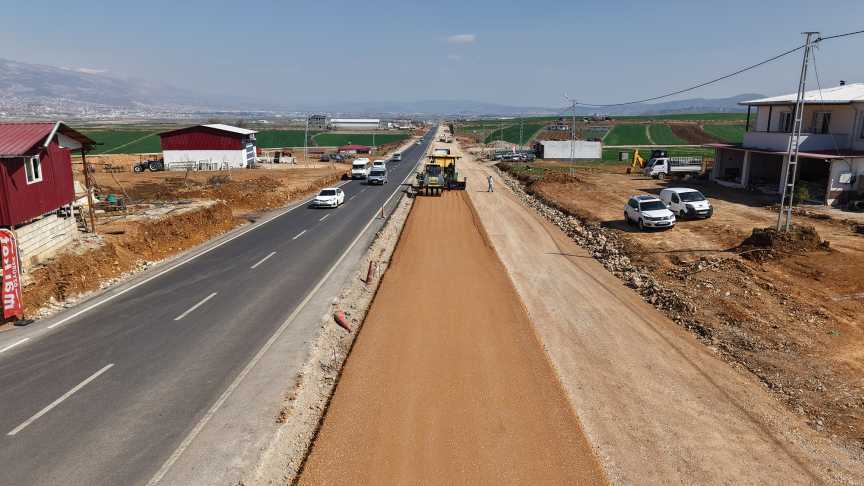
point(107, 397)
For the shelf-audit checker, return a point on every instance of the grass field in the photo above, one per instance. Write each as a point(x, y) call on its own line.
point(281, 138)
point(662, 135)
point(124, 141)
point(730, 133)
point(336, 139)
point(511, 133)
point(627, 135)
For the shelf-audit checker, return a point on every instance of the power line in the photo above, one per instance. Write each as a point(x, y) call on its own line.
point(721, 78)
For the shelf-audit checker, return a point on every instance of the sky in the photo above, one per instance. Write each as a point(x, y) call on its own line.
point(522, 53)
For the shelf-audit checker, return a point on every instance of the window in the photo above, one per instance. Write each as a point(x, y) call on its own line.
point(785, 122)
point(33, 169)
point(821, 121)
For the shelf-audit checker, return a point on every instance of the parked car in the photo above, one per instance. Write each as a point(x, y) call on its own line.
point(685, 202)
point(378, 175)
point(329, 197)
point(396, 157)
point(648, 212)
point(151, 165)
point(360, 168)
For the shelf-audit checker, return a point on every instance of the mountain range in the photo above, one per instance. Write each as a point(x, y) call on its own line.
point(40, 90)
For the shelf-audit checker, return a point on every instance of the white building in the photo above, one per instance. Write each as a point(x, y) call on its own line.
point(208, 147)
point(831, 147)
point(565, 149)
point(354, 123)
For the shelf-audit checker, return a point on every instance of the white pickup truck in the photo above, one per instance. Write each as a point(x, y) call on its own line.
point(662, 167)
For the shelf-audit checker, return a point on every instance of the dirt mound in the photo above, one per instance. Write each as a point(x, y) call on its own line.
point(768, 243)
point(693, 134)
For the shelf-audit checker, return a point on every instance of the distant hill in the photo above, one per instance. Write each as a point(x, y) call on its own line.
point(39, 90)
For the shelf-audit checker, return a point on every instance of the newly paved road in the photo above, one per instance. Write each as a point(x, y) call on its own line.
point(106, 397)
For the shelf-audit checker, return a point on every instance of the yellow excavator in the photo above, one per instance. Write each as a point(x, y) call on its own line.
point(638, 163)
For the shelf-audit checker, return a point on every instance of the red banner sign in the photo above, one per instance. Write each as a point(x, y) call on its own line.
point(10, 292)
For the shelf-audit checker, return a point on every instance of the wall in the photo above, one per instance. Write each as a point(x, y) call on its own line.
point(561, 150)
point(20, 202)
point(44, 237)
point(842, 118)
point(202, 138)
point(839, 167)
point(227, 159)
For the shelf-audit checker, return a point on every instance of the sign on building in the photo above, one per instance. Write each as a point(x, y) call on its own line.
point(11, 278)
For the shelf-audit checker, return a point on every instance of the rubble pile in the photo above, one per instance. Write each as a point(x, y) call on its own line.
point(609, 249)
point(768, 243)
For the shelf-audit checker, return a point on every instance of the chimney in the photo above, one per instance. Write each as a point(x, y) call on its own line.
point(842, 82)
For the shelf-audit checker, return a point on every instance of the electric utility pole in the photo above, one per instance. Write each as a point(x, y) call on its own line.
point(306, 141)
point(784, 218)
point(572, 129)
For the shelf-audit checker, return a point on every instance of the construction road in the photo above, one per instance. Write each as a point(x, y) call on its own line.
point(447, 382)
point(106, 392)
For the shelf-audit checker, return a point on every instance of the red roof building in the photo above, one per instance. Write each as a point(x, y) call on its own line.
point(208, 147)
point(36, 169)
point(354, 148)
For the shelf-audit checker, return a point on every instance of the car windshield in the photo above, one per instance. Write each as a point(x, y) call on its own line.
point(691, 196)
point(327, 192)
point(652, 205)
point(359, 166)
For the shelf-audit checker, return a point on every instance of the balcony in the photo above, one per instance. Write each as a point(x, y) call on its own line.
point(809, 142)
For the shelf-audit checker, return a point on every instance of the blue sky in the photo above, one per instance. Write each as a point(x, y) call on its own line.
point(526, 53)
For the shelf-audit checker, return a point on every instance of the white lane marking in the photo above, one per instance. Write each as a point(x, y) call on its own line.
point(59, 400)
point(298, 235)
point(199, 304)
point(172, 267)
point(253, 267)
point(16, 343)
point(352, 197)
point(324, 217)
point(260, 354)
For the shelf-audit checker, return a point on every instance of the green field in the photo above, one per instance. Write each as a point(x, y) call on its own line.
point(511, 133)
point(662, 135)
point(730, 133)
point(689, 116)
point(124, 141)
point(337, 139)
point(627, 135)
point(281, 138)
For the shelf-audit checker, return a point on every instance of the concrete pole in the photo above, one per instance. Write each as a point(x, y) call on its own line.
point(88, 185)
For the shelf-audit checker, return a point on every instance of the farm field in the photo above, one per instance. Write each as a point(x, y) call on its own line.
point(336, 139)
point(730, 133)
point(662, 135)
point(511, 133)
point(627, 135)
point(689, 116)
point(281, 138)
point(124, 141)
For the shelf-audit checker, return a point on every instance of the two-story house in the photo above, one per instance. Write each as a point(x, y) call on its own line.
point(831, 147)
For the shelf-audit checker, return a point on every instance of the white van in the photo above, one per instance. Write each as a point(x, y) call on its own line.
point(685, 202)
point(360, 168)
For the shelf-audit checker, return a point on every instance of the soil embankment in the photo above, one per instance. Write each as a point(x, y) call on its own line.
point(447, 383)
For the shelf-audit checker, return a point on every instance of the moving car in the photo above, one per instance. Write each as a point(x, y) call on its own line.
point(396, 157)
point(686, 202)
point(329, 197)
point(378, 175)
point(648, 212)
point(360, 168)
point(380, 163)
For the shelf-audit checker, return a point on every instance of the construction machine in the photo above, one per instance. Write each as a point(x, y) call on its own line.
point(639, 163)
point(439, 173)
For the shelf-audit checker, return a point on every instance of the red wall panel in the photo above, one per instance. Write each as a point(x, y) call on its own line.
point(20, 201)
point(201, 140)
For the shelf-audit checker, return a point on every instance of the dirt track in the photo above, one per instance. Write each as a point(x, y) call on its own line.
point(447, 383)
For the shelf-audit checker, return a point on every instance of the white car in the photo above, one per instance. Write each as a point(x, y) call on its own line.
point(329, 197)
point(379, 164)
point(648, 212)
point(396, 157)
point(685, 202)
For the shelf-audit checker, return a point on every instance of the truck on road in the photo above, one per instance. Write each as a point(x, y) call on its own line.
point(360, 168)
point(662, 167)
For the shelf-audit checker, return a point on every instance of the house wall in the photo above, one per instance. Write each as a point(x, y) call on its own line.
point(857, 138)
point(221, 159)
point(44, 237)
point(843, 118)
point(20, 202)
point(854, 166)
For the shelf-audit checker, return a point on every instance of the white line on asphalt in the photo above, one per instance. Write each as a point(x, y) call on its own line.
point(59, 400)
point(172, 267)
point(16, 343)
point(352, 197)
point(263, 260)
point(255, 359)
point(299, 235)
point(199, 304)
point(324, 217)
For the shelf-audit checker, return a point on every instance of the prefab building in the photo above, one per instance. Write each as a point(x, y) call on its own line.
point(36, 185)
point(355, 123)
point(208, 147)
point(567, 149)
